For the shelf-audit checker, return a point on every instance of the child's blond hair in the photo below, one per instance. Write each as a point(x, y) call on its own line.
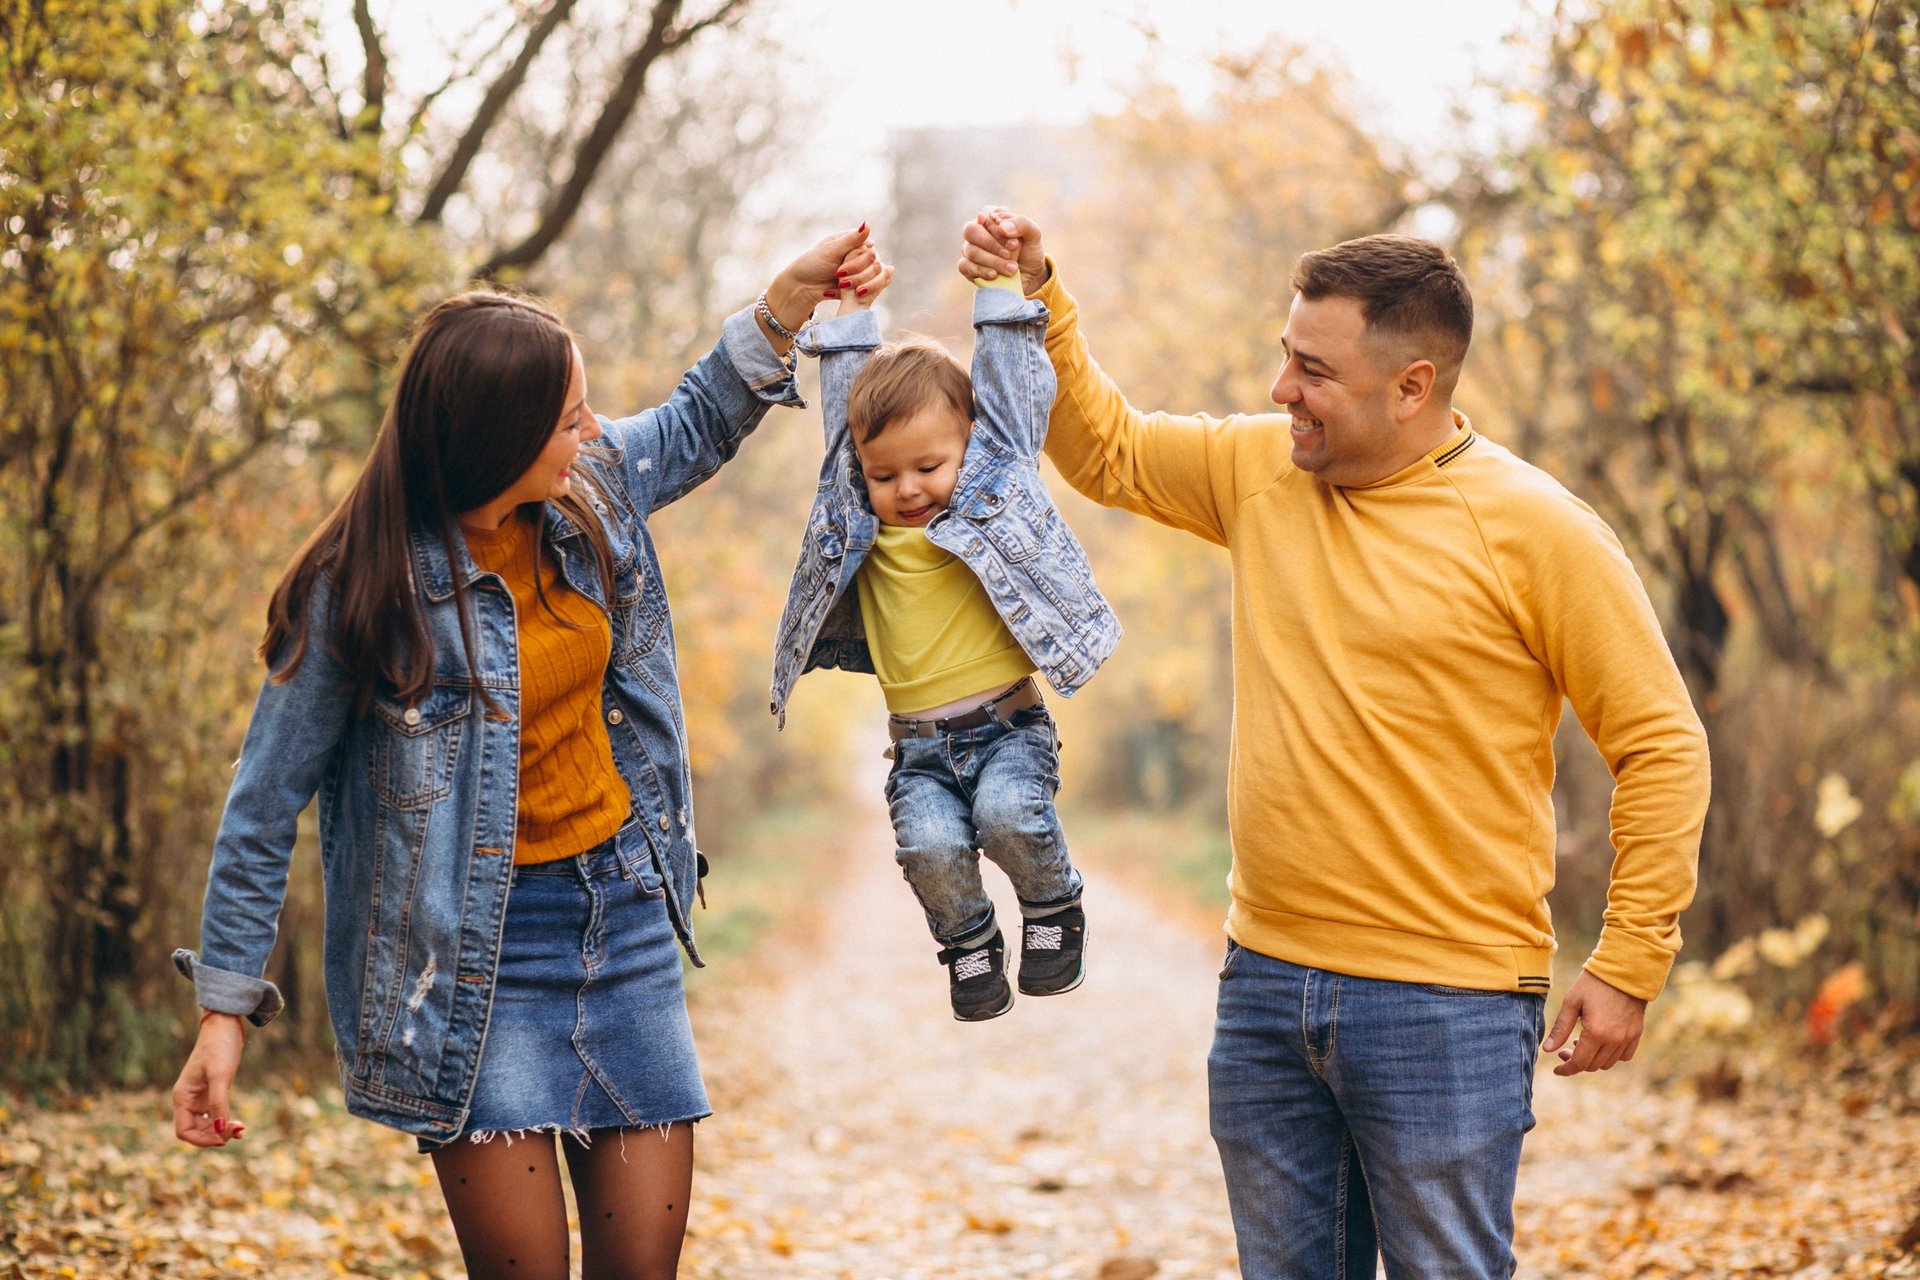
point(902, 378)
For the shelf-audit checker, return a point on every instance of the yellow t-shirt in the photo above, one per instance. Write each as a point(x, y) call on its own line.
point(572, 796)
point(932, 631)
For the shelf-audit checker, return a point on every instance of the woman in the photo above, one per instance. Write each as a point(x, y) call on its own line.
point(471, 665)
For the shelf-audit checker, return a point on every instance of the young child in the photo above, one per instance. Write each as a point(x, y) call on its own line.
point(935, 559)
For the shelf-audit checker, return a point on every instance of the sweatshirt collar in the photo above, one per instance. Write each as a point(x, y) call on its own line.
point(1436, 459)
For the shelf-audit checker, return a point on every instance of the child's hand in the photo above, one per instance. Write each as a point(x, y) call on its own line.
point(860, 279)
point(999, 242)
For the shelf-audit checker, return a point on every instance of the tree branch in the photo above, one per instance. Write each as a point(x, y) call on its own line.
point(459, 75)
point(1766, 583)
point(593, 148)
point(662, 37)
point(498, 94)
point(373, 79)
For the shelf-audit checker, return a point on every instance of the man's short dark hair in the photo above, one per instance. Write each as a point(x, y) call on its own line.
point(1409, 290)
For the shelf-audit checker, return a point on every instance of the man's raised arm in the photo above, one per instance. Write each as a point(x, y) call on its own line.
point(1181, 471)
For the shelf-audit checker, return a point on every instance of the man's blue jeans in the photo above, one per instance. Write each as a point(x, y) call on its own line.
point(1355, 1115)
point(986, 790)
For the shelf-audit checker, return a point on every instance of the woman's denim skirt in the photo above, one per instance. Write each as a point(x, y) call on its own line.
point(589, 1026)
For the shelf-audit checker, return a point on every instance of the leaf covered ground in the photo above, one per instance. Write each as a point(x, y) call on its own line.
point(860, 1133)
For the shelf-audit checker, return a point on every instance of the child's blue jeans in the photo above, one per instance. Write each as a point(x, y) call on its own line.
point(984, 790)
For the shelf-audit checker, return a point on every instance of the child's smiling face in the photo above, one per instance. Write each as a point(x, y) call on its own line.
point(913, 464)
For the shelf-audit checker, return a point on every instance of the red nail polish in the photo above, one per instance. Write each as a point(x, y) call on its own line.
point(833, 293)
point(220, 1126)
point(860, 293)
point(863, 228)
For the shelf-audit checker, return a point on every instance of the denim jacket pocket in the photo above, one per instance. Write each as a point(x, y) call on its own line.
point(640, 624)
point(415, 747)
point(829, 540)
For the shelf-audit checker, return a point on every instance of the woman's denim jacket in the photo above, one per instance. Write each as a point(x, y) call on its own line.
point(1000, 521)
point(418, 803)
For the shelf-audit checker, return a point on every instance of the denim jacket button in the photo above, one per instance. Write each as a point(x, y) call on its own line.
point(412, 716)
point(663, 822)
point(614, 716)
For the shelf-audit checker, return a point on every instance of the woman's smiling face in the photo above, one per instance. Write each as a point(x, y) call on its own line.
point(551, 475)
point(912, 465)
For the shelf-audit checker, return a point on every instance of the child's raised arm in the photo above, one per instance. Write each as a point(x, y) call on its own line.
point(844, 342)
point(1013, 380)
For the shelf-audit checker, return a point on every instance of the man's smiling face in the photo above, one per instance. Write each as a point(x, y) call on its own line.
point(1338, 385)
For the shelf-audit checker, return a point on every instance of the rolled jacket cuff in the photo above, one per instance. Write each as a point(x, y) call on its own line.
point(855, 331)
point(767, 375)
point(224, 991)
point(1007, 306)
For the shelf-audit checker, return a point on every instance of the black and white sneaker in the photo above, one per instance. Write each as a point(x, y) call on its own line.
point(1053, 953)
point(977, 979)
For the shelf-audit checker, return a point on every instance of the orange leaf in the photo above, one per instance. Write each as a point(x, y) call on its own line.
point(1842, 988)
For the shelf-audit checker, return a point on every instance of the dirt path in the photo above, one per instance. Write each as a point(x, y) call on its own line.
point(863, 1133)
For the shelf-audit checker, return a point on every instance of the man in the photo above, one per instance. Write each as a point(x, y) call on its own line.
point(1411, 606)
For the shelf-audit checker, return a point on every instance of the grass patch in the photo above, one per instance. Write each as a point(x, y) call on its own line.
point(773, 868)
point(1184, 851)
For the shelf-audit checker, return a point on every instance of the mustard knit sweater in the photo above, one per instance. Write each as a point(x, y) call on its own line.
point(1401, 655)
point(572, 796)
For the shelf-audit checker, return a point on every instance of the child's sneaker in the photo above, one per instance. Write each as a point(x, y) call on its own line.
point(1053, 951)
point(977, 979)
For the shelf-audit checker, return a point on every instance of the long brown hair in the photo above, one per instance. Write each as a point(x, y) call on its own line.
point(480, 392)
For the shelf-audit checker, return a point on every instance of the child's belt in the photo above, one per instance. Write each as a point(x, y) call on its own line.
point(1022, 696)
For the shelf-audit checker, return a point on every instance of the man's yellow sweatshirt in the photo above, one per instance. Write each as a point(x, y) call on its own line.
point(1401, 655)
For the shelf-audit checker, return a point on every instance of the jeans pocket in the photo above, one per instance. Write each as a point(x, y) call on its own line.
point(652, 884)
point(1441, 989)
point(1233, 955)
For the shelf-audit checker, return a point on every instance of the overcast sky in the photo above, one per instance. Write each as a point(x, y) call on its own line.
point(887, 64)
point(906, 63)
point(926, 62)
point(866, 69)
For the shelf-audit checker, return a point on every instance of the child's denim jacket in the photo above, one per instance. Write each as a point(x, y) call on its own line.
point(417, 804)
point(1001, 520)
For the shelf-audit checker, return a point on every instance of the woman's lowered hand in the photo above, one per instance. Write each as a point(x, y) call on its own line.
point(201, 1094)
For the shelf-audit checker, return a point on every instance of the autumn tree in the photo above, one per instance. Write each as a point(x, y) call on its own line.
point(1703, 236)
point(192, 270)
point(1705, 261)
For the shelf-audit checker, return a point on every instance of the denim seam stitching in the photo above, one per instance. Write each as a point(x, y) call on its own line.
point(1340, 1211)
point(1306, 1022)
point(596, 924)
point(1333, 1021)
